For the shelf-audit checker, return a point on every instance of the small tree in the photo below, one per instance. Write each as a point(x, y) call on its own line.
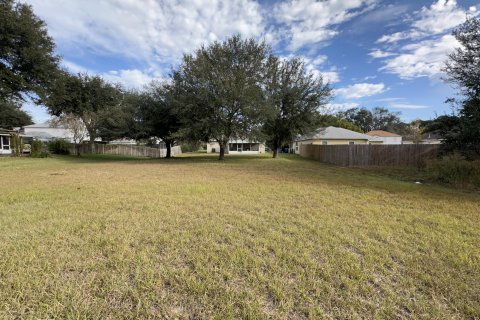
point(157, 114)
point(90, 98)
point(75, 125)
point(294, 98)
point(219, 88)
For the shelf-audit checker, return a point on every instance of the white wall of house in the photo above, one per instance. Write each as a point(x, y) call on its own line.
point(389, 140)
point(237, 147)
point(45, 133)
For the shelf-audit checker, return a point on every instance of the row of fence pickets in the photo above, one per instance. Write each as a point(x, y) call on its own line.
point(126, 150)
point(371, 155)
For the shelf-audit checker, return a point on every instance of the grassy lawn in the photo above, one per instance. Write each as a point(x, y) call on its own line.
point(251, 237)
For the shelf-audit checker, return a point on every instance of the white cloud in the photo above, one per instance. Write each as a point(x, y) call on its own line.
point(408, 106)
point(425, 58)
point(430, 31)
point(306, 22)
point(440, 17)
point(130, 78)
point(149, 30)
point(376, 53)
point(361, 90)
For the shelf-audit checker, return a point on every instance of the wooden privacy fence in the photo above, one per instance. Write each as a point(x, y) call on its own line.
point(125, 150)
point(370, 155)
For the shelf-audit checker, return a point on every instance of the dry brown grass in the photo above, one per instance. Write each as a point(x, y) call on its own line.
point(250, 237)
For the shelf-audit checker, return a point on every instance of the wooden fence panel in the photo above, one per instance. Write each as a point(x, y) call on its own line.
point(370, 155)
point(125, 150)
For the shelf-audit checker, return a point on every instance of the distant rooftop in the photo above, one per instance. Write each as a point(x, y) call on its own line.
point(381, 133)
point(43, 125)
point(334, 133)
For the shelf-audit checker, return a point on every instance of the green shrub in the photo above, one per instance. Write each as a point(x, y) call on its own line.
point(36, 149)
point(188, 146)
point(455, 170)
point(59, 146)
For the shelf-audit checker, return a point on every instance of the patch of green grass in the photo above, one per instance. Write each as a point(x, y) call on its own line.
point(249, 237)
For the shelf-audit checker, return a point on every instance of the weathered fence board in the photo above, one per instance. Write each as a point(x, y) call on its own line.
point(370, 155)
point(125, 150)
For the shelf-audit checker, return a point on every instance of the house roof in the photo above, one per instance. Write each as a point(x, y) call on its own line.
point(334, 133)
point(6, 131)
point(381, 133)
point(44, 125)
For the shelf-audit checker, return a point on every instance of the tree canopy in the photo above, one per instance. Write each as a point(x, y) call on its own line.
point(294, 98)
point(96, 102)
point(28, 63)
point(11, 115)
point(461, 131)
point(220, 90)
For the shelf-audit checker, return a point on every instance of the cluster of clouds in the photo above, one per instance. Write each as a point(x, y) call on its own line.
point(421, 50)
point(154, 34)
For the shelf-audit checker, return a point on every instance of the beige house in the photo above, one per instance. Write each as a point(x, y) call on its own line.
point(238, 147)
point(331, 136)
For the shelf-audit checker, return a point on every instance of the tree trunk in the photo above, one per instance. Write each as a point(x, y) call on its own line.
point(168, 144)
point(92, 145)
point(275, 153)
point(275, 150)
point(222, 152)
point(76, 146)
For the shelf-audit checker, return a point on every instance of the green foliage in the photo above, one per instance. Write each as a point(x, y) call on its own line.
point(190, 146)
point(455, 170)
point(11, 115)
point(219, 89)
point(59, 146)
point(156, 113)
point(376, 119)
point(461, 131)
point(27, 60)
point(326, 120)
point(36, 149)
point(90, 98)
point(294, 97)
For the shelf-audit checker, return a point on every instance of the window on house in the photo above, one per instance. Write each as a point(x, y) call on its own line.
point(233, 147)
point(351, 142)
point(324, 142)
point(5, 143)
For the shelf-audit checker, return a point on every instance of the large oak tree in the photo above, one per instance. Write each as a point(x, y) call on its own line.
point(294, 98)
point(220, 88)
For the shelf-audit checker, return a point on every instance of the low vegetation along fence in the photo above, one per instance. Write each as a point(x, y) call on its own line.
point(370, 155)
point(126, 150)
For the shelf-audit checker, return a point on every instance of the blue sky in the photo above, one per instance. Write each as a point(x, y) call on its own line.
point(373, 52)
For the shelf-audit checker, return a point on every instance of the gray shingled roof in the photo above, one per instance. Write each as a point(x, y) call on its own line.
point(334, 133)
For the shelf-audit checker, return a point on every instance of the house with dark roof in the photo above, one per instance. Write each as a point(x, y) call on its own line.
point(384, 137)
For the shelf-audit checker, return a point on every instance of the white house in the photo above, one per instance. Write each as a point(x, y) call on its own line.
point(238, 147)
point(45, 132)
point(385, 137)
